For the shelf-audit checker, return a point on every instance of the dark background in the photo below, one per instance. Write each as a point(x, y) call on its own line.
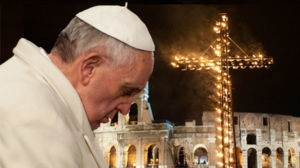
point(186, 27)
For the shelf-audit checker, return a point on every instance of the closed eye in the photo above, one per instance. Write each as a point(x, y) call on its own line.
point(130, 91)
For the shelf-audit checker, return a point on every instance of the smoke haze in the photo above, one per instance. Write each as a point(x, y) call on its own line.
point(186, 30)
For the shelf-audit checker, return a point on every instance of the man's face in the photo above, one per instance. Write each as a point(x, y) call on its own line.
point(112, 89)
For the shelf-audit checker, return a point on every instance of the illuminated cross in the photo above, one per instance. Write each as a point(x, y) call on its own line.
point(221, 63)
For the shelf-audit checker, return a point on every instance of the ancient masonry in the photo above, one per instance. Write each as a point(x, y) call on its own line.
point(263, 140)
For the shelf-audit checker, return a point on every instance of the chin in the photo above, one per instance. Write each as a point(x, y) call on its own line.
point(95, 125)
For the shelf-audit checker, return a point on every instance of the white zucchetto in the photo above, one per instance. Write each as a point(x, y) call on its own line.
point(120, 23)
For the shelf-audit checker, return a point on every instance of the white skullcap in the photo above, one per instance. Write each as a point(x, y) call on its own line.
point(120, 23)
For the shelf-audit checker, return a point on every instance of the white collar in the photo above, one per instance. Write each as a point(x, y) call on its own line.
point(44, 53)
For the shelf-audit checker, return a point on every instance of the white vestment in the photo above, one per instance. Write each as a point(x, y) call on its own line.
point(42, 121)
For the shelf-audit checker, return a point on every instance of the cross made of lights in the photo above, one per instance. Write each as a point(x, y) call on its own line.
point(221, 63)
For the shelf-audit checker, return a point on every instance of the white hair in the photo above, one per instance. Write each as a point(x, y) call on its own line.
point(79, 37)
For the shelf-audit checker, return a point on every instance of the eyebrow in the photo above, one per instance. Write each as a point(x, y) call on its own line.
point(130, 86)
point(131, 89)
point(135, 89)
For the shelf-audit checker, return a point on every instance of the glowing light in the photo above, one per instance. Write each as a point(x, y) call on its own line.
point(210, 64)
point(223, 24)
point(218, 69)
point(221, 66)
point(174, 64)
point(218, 52)
point(220, 164)
point(226, 140)
point(220, 154)
point(224, 17)
point(217, 29)
point(127, 118)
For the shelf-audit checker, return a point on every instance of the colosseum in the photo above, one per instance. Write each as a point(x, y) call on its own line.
point(136, 140)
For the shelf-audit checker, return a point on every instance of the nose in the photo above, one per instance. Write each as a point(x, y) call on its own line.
point(124, 108)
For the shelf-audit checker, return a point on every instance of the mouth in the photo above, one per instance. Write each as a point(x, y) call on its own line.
point(105, 119)
point(97, 123)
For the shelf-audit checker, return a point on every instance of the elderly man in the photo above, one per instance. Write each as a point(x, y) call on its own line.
point(49, 104)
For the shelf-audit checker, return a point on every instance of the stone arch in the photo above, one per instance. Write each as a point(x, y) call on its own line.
point(130, 156)
point(199, 146)
point(279, 158)
point(106, 150)
point(200, 155)
point(133, 114)
point(266, 157)
point(251, 139)
point(180, 157)
point(239, 157)
point(112, 157)
point(291, 158)
point(114, 120)
point(151, 156)
point(252, 158)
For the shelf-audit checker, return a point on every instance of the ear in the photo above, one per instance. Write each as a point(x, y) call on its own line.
point(89, 64)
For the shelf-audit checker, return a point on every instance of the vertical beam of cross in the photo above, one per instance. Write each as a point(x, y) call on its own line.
point(225, 140)
point(222, 63)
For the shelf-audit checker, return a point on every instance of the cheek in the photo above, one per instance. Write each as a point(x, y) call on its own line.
point(103, 96)
point(103, 106)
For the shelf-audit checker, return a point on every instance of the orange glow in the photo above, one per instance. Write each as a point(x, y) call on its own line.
point(219, 60)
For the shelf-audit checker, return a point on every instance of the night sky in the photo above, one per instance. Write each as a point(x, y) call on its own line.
point(271, 28)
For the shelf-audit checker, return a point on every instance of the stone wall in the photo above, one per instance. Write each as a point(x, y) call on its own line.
point(278, 132)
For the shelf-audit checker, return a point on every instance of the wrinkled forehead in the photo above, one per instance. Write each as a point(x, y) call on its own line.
point(140, 72)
